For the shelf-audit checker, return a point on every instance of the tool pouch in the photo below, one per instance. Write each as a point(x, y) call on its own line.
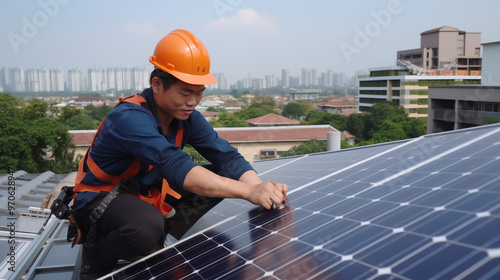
point(61, 209)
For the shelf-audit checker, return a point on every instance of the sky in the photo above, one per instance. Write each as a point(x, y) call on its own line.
point(245, 38)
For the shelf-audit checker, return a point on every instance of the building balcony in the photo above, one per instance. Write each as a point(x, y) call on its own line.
point(475, 117)
point(444, 114)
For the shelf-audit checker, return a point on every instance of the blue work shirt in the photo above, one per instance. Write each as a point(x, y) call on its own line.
point(130, 131)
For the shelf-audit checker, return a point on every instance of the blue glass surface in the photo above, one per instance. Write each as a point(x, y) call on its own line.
point(438, 217)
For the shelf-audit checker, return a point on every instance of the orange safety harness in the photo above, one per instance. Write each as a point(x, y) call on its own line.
point(155, 197)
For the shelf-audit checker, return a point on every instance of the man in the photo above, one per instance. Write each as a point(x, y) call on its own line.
point(141, 141)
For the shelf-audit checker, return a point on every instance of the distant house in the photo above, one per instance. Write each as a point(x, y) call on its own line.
point(271, 120)
point(254, 143)
point(82, 102)
point(82, 140)
point(304, 94)
point(210, 115)
point(257, 143)
point(338, 107)
point(230, 106)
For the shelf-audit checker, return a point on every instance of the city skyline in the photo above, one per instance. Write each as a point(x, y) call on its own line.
point(100, 79)
point(244, 38)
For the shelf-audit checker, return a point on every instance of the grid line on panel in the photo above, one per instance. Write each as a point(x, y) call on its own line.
point(282, 165)
point(356, 164)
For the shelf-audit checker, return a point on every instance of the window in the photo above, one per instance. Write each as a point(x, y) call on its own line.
point(268, 153)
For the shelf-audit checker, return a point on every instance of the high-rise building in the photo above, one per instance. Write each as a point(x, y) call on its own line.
point(110, 78)
point(398, 84)
point(285, 78)
point(462, 106)
point(306, 77)
point(56, 79)
point(445, 50)
point(96, 79)
point(37, 80)
point(447, 56)
point(314, 77)
point(222, 82)
point(140, 78)
point(271, 81)
point(75, 80)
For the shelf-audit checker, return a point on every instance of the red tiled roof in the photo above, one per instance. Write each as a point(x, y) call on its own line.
point(346, 135)
point(347, 112)
point(209, 113)
point(272, 119)
point(82, 137)
point(281, 133)
point(337, 103)
point(242, 134)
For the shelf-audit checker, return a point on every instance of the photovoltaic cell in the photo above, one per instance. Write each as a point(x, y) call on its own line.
point(426, 208)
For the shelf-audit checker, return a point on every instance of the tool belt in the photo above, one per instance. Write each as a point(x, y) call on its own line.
point(61, 209)
point(83, 221)
point(80, 232)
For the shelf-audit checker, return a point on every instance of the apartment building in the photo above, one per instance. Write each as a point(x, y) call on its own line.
point(447, 56)
point(456, 107)
point(445, 50)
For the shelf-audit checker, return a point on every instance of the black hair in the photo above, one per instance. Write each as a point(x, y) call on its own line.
point(166, 78)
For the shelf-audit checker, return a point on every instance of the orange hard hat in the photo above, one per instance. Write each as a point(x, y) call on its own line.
point(184, 56)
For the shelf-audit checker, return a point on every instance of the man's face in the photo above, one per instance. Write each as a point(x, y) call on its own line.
point(179, 100)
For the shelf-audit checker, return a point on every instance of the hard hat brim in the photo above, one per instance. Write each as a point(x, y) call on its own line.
point(206, 79)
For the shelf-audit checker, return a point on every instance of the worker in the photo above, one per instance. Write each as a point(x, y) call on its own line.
point(135, 184)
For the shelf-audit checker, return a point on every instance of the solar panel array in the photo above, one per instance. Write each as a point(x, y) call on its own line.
point(426, 208)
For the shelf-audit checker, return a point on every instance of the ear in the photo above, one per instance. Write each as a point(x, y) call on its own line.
point(156, 85)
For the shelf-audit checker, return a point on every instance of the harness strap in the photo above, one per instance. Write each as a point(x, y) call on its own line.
point(96, 214)
point(120, 183)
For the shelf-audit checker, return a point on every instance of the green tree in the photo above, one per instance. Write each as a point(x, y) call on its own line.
point(263, 101)
point(491, 120)
point(235, 93)
point(30, 140)
point(76, 118)
point(321, 117)
point(195, 156)
point(97, 113)
point(36, 109)
point(381, 112)
point(389, 131)
point(228, 120)
point(297, 109)
point(356, 125)
point(308, 147)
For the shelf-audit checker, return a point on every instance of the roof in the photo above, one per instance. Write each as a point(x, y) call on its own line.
point(271, 119)
point(242, 134)
point(275, 133)
point(337, 103)
point(31, 236)
point(82, 137)
point(348, 112)
point(445, 28)
point(209, 113)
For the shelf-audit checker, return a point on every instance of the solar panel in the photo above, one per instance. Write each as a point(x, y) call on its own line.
point(426, 208)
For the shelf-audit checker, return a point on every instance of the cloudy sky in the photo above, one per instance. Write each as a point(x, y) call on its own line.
point(244, 37)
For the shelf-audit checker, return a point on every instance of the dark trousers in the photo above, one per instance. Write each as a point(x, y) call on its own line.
point(129, 227)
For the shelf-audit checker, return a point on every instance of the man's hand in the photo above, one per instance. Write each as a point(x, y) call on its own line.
point(268, 193)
